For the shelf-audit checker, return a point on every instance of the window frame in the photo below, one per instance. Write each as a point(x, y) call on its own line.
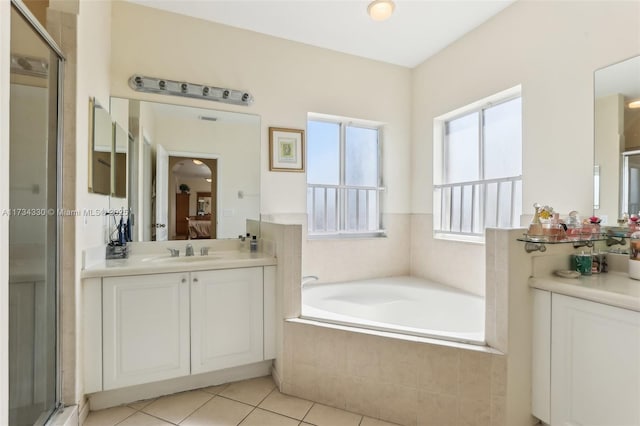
point(440, 157)
point(341, 207)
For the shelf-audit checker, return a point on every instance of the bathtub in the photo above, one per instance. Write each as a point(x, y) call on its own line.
point(405, 305)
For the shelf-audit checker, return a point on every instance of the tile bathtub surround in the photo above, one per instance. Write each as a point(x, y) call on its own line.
point(254, 402)
point(410, 383)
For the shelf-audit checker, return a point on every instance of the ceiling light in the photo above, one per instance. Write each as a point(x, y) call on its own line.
point(196, 162)
point(634, 104)
point(379, 10)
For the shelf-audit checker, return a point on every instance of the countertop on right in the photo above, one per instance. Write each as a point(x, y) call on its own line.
point(611, 288)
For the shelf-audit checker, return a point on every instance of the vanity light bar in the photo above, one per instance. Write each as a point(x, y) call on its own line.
point(143, 83)
point(28, 65)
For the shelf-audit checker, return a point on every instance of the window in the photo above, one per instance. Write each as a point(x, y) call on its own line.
point(478, 168)
point(343, 177)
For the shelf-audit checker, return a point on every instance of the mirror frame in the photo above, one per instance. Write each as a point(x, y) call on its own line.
point(599, 207)
point(93, 107)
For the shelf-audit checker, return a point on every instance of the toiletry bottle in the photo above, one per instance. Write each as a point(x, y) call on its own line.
point(254, 244)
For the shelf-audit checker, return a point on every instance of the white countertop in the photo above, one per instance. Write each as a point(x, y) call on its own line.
point(157, 264)
point(611, 288)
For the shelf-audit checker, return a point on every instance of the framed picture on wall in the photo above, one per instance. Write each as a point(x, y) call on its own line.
point(286, 150)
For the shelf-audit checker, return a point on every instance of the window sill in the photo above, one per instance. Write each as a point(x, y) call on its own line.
point(348, 235)
point(459, 238)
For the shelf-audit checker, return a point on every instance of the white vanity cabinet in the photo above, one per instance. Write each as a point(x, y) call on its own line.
point(146, 328)
point(226, 318)
point(589, 374)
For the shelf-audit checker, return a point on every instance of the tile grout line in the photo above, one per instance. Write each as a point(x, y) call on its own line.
point(251, 405)
point(134, 412)
point(307, 413)
point(199, 407)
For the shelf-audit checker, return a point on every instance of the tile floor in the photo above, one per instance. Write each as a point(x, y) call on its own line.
point(253, 402)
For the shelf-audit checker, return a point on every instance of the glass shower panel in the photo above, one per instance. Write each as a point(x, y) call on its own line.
point(33, 198)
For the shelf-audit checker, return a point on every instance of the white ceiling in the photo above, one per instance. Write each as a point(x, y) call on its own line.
point(622, 78)
point(417, 30)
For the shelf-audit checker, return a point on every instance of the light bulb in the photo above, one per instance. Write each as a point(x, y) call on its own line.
point(379, 10)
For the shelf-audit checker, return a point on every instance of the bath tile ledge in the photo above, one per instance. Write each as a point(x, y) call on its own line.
point(611, 288)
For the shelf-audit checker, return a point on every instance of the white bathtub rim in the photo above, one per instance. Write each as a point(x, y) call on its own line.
point(319, 315)
point(397, 336)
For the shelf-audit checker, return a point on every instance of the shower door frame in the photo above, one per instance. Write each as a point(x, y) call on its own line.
point(23, 10)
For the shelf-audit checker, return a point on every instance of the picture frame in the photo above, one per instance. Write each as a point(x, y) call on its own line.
point(286, 150)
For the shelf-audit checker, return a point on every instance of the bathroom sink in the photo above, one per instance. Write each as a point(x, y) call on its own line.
point(180, 259)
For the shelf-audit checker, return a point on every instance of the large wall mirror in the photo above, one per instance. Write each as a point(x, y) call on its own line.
point(194, 173)
point(617, 140)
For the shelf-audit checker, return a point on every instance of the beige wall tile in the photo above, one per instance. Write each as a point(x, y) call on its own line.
point(474, 381)
point(364, 396)
point(399, 361)
point(498, 411)
point(437, 409)
point(329, 351)
point(302, 340)
point(331, 390)
point(440, 369)
point(304, 381)
point(363, 358)
point(498, 375)
point(473, 412)
point(400, 404)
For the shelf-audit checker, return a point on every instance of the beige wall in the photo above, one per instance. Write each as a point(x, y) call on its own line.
point(288, 80)
point(5, 30)
point(92, 68)
point(552, 49)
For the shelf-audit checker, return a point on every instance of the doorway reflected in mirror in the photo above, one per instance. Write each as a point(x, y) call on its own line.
point(191, 213)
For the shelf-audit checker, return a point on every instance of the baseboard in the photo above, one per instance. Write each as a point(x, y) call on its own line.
point(276, 377)
point(67, 416)
point(112, 398)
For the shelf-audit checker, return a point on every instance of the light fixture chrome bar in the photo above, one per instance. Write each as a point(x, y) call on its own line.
point(28, 65)
point(143, 83)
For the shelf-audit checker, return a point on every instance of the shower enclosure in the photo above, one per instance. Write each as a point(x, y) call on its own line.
point(34, 182)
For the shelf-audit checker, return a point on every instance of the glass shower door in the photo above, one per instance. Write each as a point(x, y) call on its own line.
point(33, 226)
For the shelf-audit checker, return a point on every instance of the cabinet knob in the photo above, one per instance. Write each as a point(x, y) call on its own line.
point(184, 280)
point(195, 280)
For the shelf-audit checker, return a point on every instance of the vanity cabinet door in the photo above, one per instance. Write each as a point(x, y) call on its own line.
point(145, 328)
point(595, 363)
point(226, 318)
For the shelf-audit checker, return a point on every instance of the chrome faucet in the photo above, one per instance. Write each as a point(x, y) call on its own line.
point(204, 251)
point(189, 250)
point(174, 252)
